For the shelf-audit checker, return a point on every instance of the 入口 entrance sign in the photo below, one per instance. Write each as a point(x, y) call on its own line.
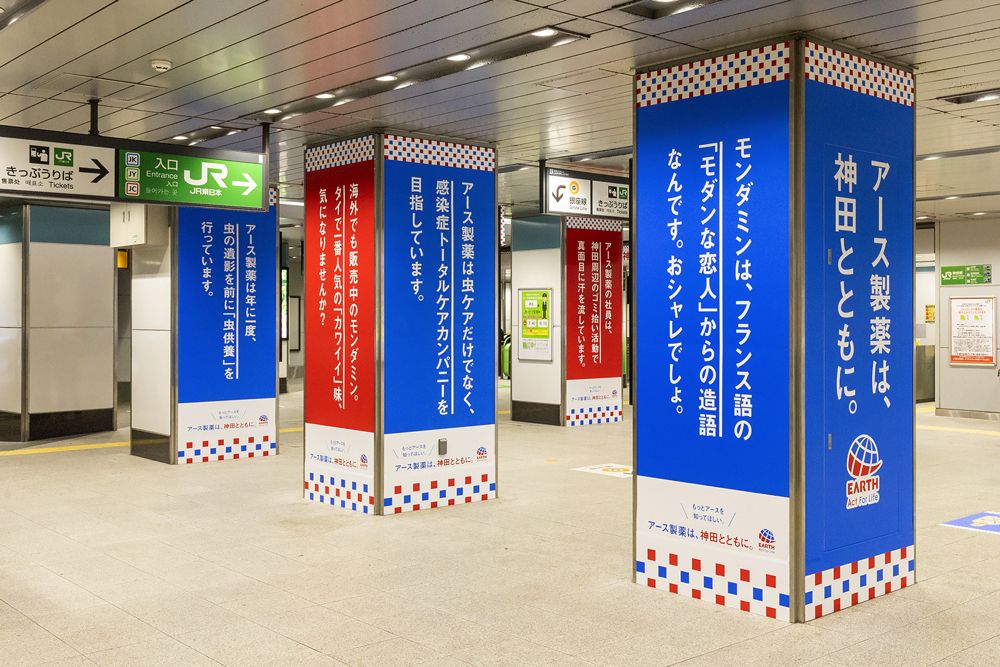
point(184, 179)
point(973, 331)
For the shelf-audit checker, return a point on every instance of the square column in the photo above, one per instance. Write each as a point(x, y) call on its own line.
point(773, 264)
point(401, 365)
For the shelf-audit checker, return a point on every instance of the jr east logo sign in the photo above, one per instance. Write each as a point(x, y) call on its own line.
point(184, 179)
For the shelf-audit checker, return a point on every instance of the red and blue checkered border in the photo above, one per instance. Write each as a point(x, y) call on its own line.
point(592, 415)
point(272, 196)
point(861, 75)
point(440, 493)
point(837, 588)
point(349, 151)
point(224, 449)
point(752, 67)
point(443, 153)
point(724, 584)
point(339, 492)
point(596, 224)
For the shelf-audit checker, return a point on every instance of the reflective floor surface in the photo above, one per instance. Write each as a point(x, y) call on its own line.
point(115, 560)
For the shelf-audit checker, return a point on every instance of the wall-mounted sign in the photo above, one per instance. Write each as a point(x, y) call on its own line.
point(929, 313)
point(536, 325)
point(973, 330)
point(56, 168)
point(580, 193)
point(967, 274)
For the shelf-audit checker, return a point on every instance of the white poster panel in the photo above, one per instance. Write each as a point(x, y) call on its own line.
point(722, 545)
point(567, 194)
point(611, 199)
point(340, 468)
point(226, 430)
point(973, 330)
point(421, 472)
point(593, 401)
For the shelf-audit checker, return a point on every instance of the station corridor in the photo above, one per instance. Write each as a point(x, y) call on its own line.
point(111, 559)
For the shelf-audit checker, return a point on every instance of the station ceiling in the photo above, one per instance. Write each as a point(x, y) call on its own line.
point(234, 59)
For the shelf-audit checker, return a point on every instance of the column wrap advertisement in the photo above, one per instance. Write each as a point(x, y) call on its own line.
point(859, 540)
point(711, 330)
point(226, 345)
point(593, 321)
point(340, 268)
point(440, 324)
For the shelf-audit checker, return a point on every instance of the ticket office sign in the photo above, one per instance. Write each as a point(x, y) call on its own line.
point(973, 331)
point(536, 325)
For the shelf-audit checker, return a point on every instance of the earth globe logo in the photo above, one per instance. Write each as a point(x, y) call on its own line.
point(364, 458)
point(863, 459)
point(766, 536)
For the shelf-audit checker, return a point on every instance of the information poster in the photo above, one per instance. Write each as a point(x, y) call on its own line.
point(593, 321)
point(973, 330)
point(712, 367)
point(226, 334)
point(860, 323)
point(440, 323)
point(536, 325)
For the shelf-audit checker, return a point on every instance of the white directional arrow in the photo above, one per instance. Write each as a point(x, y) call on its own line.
point(250, 184)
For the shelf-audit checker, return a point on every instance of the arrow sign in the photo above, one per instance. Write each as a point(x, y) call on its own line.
point(557, 195)
point(249, 183)
point(98, 169)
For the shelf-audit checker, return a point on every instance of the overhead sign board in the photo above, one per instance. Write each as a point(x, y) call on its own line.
point(56, 168)
point(77, 166)
point(566, 193)
point(186, 179)
point(967, 274)
point(581, 193)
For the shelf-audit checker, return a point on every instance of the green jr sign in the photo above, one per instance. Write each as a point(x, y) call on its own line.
point(968, 274)
point(184, 179)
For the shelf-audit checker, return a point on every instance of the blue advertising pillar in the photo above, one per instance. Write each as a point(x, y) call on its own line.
point(401, 361)
point(773, 264)
point(205, 337)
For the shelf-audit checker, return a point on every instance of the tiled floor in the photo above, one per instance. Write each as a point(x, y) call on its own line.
point(113, 560)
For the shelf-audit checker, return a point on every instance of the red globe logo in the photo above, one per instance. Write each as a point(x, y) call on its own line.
point(863, 459)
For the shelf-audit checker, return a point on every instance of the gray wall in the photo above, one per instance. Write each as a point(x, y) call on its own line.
point(966, 242)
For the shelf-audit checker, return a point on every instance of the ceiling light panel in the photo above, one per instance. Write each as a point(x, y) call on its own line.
point(658, 9)
point(546, 37)
point(991, 95)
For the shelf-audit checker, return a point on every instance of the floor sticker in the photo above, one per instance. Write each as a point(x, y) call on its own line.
point(984, 522)
point(609, 469)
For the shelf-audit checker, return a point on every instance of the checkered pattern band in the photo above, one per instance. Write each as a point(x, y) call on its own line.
point(841, 587)
point(223, 449)
point(339, 492)
point(609, 414)
point(861, 75)
point(597, 224)
point(272, 196)
point(338, 153)
point(440, 493)
point(752, 67)
point(726, 584)
point(443, 153)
